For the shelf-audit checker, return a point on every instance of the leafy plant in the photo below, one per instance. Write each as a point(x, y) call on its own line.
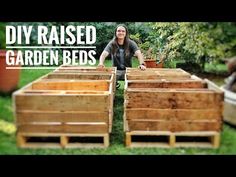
point(152, 46)
point(147, 49)
point(2, 35)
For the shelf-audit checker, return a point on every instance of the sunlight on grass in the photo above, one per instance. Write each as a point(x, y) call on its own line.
point(7, 127)
point(217, 69)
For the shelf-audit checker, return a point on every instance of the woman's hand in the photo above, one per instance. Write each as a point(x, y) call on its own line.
point(142, 67)
point(101, 66)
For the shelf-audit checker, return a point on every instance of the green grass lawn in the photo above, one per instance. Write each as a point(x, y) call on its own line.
point(8, 139)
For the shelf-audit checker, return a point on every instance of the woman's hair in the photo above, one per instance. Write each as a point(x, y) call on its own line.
point(115, 45)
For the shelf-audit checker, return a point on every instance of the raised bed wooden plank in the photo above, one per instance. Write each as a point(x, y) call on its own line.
point(73, 85)
point(173, 126)
point(63, 102)
point(27, 117)
point(173, 99)
point(75, 127)
point(173, 114)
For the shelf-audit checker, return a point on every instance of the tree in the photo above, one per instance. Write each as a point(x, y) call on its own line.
point(198, 42)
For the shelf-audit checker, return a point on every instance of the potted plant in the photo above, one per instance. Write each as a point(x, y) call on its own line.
point(8, 77)
point(153, 57)
point(150, 59)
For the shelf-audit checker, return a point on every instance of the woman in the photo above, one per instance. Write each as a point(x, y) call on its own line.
point(122, 49)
